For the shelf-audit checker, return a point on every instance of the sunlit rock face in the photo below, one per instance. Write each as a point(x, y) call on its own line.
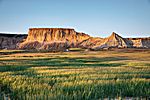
point(91, 42)
point(52, 38)
point(11, 41)
point(60, 39)
point(115, 41)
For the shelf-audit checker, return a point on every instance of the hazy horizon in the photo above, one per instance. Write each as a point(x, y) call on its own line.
point(99, 18)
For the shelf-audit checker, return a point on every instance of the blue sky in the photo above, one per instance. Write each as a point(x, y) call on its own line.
point(129, 18)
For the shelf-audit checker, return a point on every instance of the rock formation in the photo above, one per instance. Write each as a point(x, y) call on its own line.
point(59, 39)
point(113, 41)
point(140, 42)
point(52, 38)
point(91, 42)
point(11, 41)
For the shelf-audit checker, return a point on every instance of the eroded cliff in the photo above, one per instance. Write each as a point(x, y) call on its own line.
point(115, 41)
point(59, 39)
point(52, 38)
point(11, 41)
point(140, 42)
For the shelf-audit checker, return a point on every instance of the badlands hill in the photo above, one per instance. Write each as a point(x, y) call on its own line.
point(52, 39)
point(60, 39)
point(11, 41)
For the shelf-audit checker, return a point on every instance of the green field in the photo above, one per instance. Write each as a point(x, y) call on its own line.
point(81, 75)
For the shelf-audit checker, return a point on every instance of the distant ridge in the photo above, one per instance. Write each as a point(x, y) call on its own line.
point(11, 41)
point(11, 35)
point(60, 39)
point(115, 40)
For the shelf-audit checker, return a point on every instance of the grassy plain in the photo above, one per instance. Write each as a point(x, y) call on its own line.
point(85, 75)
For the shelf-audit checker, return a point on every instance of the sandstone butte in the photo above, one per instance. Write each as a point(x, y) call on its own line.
point(60, 39)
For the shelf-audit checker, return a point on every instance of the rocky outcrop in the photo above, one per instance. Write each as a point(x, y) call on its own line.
point(116, 40)
point(52, 38)
point(60, 39)
point(11, 41)
point(91, 42)
point(50, 46)
point(113, 41)
point(140, 42)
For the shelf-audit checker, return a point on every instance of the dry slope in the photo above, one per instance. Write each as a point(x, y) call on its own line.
point(11, 41)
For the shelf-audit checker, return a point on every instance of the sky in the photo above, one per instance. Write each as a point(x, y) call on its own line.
point(99, 18)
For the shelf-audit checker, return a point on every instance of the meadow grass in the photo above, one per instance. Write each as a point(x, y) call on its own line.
point(75, 75)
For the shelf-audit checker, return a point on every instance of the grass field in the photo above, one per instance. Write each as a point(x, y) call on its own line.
point(74, 75)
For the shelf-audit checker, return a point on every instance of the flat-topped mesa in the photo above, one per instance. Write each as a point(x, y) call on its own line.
point(55, 34)
point(30, 29)
point(47, 36)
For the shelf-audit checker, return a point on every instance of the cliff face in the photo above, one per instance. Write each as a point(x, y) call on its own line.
point(45, 38)
point(115, 41)
point(11, 41)
point(112, 41)
point(59, 39)
point(140, 42)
